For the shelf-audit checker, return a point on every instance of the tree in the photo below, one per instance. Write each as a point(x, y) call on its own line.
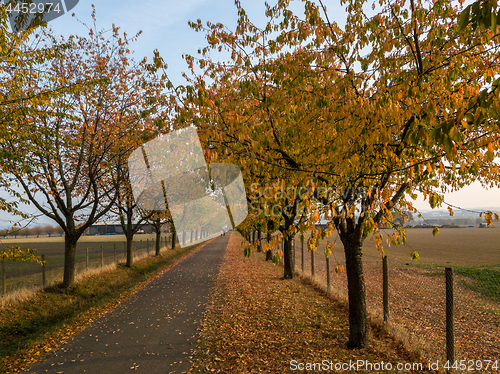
point(79, 138)
point(20, 57)
point(408, 113)
point(131, 219)
point(158, 220)
point(245, 100)
point(276, 208)
point(37, 230)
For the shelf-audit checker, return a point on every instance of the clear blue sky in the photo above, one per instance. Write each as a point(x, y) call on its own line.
point(164, 26)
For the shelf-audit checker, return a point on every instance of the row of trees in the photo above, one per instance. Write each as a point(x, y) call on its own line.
point(36, 230)
point(352, 121)
point(72, 111)
point(345, 123)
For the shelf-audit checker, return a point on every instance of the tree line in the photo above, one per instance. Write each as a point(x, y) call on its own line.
point(48, 230)
point(355, 118)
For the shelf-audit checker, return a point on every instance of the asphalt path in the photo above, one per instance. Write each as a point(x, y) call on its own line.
point(152, 332)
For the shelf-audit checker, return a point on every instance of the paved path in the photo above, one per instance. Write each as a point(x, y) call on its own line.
point(152, 332)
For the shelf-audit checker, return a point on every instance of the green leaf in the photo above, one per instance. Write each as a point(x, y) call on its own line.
point(435, 230)
point(493, 26)
point(436, 133)
point(464, 18)
point(448, 144)
point(327, 251)
point(276, 260)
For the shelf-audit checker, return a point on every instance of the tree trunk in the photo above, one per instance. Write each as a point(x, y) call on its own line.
point(259, 237)
point(69, 261)
point(130, 255)
point(174, 235)
point(269, 253)
point(358, 323)
point(158, 239)
point(288, 259)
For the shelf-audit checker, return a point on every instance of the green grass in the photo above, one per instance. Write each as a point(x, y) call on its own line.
point(486, 281)
point(28, 328)
point(483, 279)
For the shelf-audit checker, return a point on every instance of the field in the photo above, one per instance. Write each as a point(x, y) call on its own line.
point(28, 274)
point(451, 247)
point(417, 288)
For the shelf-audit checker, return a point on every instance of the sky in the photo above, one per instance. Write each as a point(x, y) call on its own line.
point(164, 26)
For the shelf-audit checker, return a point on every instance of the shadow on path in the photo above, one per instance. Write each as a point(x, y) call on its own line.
point(152, 332)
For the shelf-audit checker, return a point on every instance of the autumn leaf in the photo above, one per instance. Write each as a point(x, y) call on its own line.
point(435, 230)
point(339, 269)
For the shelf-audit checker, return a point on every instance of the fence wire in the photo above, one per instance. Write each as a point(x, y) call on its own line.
point(19, 275)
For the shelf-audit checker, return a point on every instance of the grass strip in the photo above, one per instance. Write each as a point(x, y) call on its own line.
point(482, 279)
point(30, 329)
point(260, 323)
point(486, 281)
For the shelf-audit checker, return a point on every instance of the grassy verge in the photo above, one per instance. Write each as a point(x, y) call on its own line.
point(483, 279)
point(30, 329)
point(260, 323)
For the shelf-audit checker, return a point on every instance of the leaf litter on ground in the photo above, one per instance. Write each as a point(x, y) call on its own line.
point(259, 323)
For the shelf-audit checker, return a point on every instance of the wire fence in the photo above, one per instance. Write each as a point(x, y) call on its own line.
point(444, 311)
point(89, 256)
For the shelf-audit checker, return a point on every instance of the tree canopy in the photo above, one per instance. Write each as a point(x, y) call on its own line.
point(388, 105)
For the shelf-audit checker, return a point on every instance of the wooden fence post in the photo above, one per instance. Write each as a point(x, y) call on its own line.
point(328, 284)
point(302, 250)
point(4, 277)
point(312, 264)
point(450, 334)
point(43, 271)
point(385, 283)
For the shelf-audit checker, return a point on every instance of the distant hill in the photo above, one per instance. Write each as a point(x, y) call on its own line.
point(461, 217)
